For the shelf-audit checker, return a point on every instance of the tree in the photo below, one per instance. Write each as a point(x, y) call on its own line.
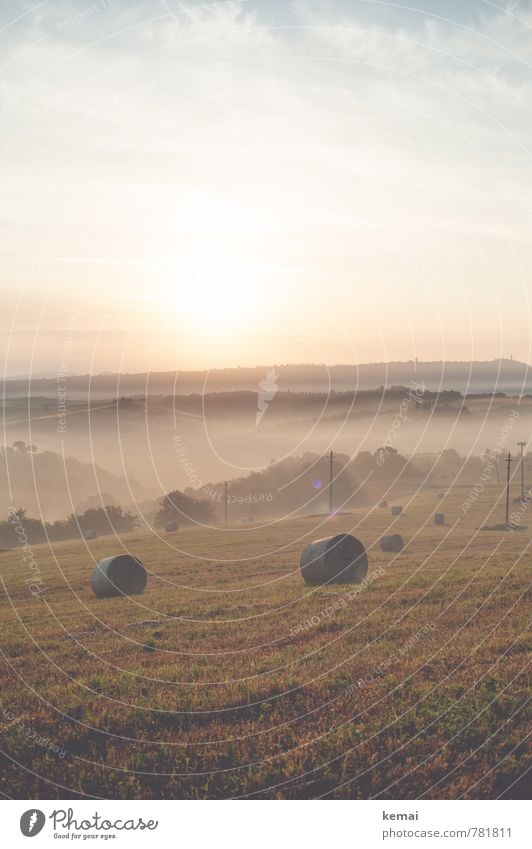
point(18, 516)
point(103, 520)
point(19, 529)
point(385, 451)
point(176, 506)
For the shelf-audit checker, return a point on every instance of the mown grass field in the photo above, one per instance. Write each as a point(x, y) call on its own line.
point(206, 687)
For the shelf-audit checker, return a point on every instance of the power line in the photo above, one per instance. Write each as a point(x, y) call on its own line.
point(508, 463)
point(521, 446)
point(226, 484)
point(331, 478)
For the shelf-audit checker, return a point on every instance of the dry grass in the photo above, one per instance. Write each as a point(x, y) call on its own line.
point(206, 686)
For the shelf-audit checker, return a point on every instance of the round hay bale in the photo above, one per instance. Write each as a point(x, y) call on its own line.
point(396, 510)
point(392, 542)
point(171, 526)
point(383, 504)
point(90, 535)
point(119, 575)
point(341, 559)
point(439, 518)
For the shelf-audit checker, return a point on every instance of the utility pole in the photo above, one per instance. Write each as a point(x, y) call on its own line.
point(226, 484)
point(521, 446)
point(331, 476)
point(508, 463)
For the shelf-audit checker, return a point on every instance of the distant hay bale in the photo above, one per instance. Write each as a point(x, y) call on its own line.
point(383, 504)
point(341, 559)
point(439, 518)
point(171, 526)
point(90, 535)
point(119, 575)
point(392, 542)
point(396, 510)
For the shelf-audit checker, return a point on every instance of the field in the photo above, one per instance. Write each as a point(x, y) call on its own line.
point(230, 678)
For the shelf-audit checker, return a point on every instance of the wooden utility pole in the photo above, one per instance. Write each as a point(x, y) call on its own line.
point(331, 476)
point(521, 446)
point(226, 484)
point(508, 463)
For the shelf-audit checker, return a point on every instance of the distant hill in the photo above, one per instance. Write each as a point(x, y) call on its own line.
point(45, 483)
point(503, 375)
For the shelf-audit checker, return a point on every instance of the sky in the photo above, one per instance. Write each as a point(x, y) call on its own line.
point(199, 185)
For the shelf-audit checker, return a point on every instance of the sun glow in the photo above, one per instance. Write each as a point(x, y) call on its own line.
point(217, 295)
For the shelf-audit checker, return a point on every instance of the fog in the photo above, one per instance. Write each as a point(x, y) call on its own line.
point(137, 449)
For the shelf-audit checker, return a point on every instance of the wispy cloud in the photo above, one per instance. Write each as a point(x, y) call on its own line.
point(314, 137)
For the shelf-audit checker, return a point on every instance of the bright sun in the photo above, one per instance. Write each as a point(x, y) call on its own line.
point(215, 295)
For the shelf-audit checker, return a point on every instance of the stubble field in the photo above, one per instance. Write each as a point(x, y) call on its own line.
point(230, 678)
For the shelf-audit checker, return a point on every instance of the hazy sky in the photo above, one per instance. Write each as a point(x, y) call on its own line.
point(193, 185)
